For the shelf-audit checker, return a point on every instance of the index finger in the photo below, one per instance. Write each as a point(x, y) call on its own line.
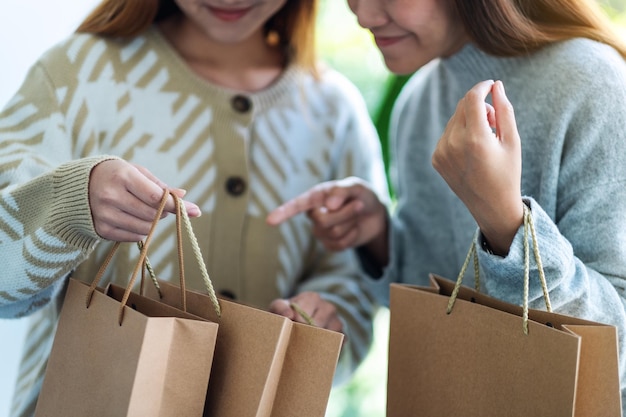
point(146, 172)
point(313, 198)
point(149, 192)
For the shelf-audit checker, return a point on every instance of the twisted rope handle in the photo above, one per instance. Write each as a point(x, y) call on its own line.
point(529, 227)
point(181, 219)
point(199, 259)
point(148, 267)
point(203, 271)
point(305, 316)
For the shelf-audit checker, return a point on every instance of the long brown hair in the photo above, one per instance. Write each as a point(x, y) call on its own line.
point(293, 25)
point(517, 27)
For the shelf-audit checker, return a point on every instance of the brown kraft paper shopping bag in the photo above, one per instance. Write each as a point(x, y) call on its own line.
point(249, 353)
point(117, 353)
point(467, 354)
point(265, 364)
point(307, 376)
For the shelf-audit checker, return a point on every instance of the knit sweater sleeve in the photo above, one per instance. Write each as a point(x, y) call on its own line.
point(45, 220)
point(580, 223)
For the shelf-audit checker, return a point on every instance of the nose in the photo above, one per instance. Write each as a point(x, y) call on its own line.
point(370, 13)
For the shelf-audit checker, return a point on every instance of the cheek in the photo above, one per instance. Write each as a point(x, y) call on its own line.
point(270, 9)
point(187, 6)
point(276, 5)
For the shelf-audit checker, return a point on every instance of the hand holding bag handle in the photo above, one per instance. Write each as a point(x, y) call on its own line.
point(267, 365)
point(475, 361)
point(180, 213)
point(197, 253)
point(204, 273)
point(529, 226)
point(162, 357)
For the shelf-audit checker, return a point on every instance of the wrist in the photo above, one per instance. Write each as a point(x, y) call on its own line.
point(498, 232)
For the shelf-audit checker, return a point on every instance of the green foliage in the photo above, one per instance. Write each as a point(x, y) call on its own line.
point(348, 48)
point(365, 395)
point(613, 7)
point(345, 46)
point(382, 117)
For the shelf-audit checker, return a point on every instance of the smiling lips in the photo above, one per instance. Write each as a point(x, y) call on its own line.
point(229, 15)
point(382, 41)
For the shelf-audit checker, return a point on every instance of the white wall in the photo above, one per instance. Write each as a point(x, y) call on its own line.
point(27, 28)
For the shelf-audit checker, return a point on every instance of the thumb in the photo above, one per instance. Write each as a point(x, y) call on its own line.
point(338, 197)
point(282, 307)
point(506, 128)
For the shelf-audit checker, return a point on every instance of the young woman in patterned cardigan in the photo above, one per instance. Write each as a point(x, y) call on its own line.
point(223, 102)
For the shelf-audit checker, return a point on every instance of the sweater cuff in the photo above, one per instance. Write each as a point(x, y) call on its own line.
point(72, 221)
point(369, 266)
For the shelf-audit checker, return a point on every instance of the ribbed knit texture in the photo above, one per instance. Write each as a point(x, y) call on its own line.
point(90, 99)
point(570, 107)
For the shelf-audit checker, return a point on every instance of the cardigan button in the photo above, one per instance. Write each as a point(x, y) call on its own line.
point(235, 186)
point(241, 104)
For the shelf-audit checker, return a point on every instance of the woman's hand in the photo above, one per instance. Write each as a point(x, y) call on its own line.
point(124, 199)
point(309, 305)
point(484, 168)
point(345, 214)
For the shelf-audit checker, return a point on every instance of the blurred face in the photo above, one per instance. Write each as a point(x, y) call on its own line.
point(230, 21)
point(411, 33)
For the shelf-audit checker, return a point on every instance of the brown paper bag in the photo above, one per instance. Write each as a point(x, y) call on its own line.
point(116, 353)
point(157, 363)
point(307, 376)
point(249, 353)
point(477, 361)
point(265, 364)
point(469, 355)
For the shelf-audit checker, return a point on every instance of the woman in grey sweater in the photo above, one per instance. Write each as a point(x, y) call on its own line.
point(462, 164)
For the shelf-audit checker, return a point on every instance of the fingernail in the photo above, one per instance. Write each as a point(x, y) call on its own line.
point(334, 202)
point(501, 87)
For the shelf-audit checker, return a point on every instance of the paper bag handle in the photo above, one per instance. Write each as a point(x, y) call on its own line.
point(142, 257)
point(180, 214)
point(200, 260)
point(529, 226)
point(183, 218)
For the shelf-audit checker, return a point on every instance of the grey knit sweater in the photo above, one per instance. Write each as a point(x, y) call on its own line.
point(570, 107)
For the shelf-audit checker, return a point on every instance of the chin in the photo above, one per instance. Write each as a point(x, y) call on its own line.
point(400, 66)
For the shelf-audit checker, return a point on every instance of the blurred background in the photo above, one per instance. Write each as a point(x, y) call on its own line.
point(29, 27)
